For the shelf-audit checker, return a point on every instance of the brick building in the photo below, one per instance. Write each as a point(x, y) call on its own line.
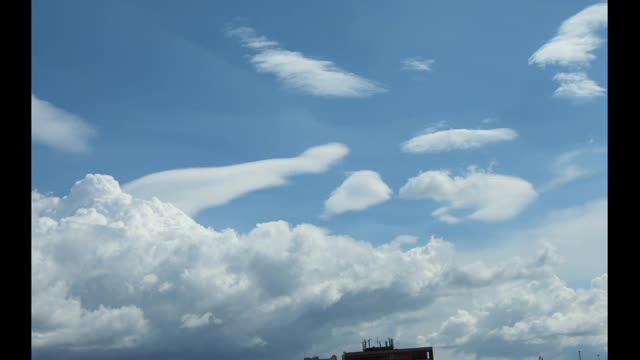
point(389, 352)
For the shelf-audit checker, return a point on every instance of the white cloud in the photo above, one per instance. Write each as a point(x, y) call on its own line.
point(402, 240)
point(59, 319)
point(313, 76)
point(578, 235)
point(195, 189)
point(538, 316)
point(456, 139)
point(573, 46)
point(417, 64)
point(566, 167)
point(491, 197)
point(576, 39)
point(577, 85)
point(361, 190)
point(323, 291)
point(195, 321)
point(57, 128)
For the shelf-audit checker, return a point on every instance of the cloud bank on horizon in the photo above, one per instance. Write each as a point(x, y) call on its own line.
point(246, 289)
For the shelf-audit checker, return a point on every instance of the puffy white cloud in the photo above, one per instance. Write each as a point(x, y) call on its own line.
point(59, 319)
point(491, 197)
point(456, 139)
point(537, 317)
point(196, 189)
point(577, 85)
point(361, 190)
point(417, 64)
point(283, 289)
point(576, 39)
point(57, 128)
point(312, 76)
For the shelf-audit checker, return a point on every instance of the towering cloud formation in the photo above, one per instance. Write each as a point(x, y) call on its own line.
point(139, 278)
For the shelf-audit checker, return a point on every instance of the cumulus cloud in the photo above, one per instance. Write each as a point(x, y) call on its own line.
point(417, 64)
point(456, 139)
point(57, 128)
point(196, 189)
point(312, 76)
point(530, 323)
point(361, 190)
point(573, 46)
point(284, 290)
point(59, 319)
point(577, 85)
point(491, 197)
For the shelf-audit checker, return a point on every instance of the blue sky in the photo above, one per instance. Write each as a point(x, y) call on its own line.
point(159, 86)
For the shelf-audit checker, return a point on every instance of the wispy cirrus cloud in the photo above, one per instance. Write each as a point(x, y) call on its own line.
point(567, 167)
point(573, 47)
point(456, 139)
point(196, 189)
point(312, 76)
point(361, 190)
point(417, 64)
point(59, 129)
point(490, 197)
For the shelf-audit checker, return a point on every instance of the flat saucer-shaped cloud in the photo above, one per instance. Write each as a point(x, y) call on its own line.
point(362, 189)
point(490, 197)
point(196, 189)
